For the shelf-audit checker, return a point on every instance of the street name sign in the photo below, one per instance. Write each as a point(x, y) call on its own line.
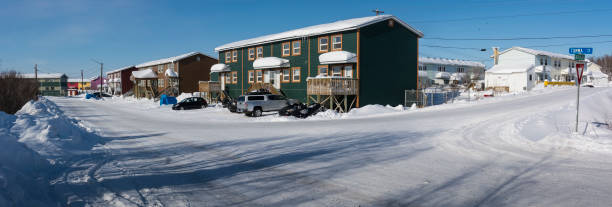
point(585, 50)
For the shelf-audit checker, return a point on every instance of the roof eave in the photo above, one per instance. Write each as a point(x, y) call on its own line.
point(417, 32)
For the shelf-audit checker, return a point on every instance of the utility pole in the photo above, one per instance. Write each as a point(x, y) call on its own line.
point(101, 78)
point(82, 82)
point(36, 72)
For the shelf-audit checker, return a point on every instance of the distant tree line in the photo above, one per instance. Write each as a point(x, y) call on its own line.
point(16, 91)
point(605, 62)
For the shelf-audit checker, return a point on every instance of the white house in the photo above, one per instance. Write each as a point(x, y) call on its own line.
point(520, 68)
point(441, 71)
point(593, 75)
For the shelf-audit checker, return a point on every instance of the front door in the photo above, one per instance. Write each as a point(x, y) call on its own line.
point(222, 80)
point(277, 79)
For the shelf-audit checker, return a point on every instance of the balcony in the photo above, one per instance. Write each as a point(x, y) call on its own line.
point(332, 86)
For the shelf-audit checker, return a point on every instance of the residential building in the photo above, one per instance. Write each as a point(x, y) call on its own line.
point(174, 75)
point(95, 83)
point(51, 84)
point(119, 80)
point(369, 60)
point(520, 68)
point(442, 71)
point(73, 86)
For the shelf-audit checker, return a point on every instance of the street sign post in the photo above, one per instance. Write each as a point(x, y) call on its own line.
point(579, 56)
point(579, 71)
point(586, 50)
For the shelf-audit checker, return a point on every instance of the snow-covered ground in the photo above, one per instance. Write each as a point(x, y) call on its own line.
point(516, 150)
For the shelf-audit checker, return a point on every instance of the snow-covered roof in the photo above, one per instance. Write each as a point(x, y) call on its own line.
point(510, 68)
point(598, 74)
point(168, 60)
point(120, 69)
point(270, 62)
point(338, 26)
point(539, 52)
point(457, 76)
point(443, 75)
point(171, 73)
point(44, 75)
point(444, 61)
point(336, 57)
point(541, 68)
point(220, 67)
point(142, 74)
point(76, 80)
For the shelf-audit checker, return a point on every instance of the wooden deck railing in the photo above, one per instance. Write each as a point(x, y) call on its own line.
point(209, 86)
point(332, 86)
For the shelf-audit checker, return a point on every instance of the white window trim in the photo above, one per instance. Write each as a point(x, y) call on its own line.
point(296, 74)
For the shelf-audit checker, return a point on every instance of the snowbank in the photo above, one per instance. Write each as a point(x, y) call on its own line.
point(43, 127)
point(23, 180)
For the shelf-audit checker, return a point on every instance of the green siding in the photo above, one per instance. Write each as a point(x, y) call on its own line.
point(295, 90)
point(388, 63)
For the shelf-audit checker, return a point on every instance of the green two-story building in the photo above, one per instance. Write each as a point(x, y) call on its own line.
point(51, 84)
point(343, 64)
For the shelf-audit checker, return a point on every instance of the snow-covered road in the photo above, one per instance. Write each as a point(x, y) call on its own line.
point(515, 151)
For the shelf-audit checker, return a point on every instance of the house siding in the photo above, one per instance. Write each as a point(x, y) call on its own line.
point(294, 90)
point(192, 71)
point(388, 63)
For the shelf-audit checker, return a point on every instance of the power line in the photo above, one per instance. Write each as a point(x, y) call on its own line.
point(511, 16)
point(518, 38)
point(552, 45)
point(451, 47)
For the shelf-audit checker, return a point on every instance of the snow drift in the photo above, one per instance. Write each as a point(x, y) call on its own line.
point(23, 180)
point(43, 127)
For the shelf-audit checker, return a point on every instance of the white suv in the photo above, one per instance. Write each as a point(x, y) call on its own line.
point(255, 105)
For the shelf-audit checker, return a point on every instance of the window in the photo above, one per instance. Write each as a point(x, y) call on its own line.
point(336, 42)
point(259, 52)
point(170, 66)
point(460, 70)
point(422, 67)
point(255, 98)
point(228, 57)
point(323, 70)
point(228, 78)
point(198, 58)
point(259, 76)
point(336, 70)
point(235, 56)
point(348, 71)
point(286, 76)
point(160, 69)
point(251, 52)
point(235, 77)
point(251, 76)
point(541, 61)
point(323, 44)
point(441, 69)
point(530, 77)
point(276, 97)
point(286, 49)
point(297, 47)
point(545, 61)
point(296, 74)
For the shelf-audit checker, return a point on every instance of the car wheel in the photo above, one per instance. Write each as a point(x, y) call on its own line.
point(182, 108)
point(203, 106)
point(257, 112)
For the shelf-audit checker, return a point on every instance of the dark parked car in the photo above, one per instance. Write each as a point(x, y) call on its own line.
point(190, 103)
point(97, 95)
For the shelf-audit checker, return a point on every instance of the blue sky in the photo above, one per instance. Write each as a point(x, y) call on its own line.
point(64, 35)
